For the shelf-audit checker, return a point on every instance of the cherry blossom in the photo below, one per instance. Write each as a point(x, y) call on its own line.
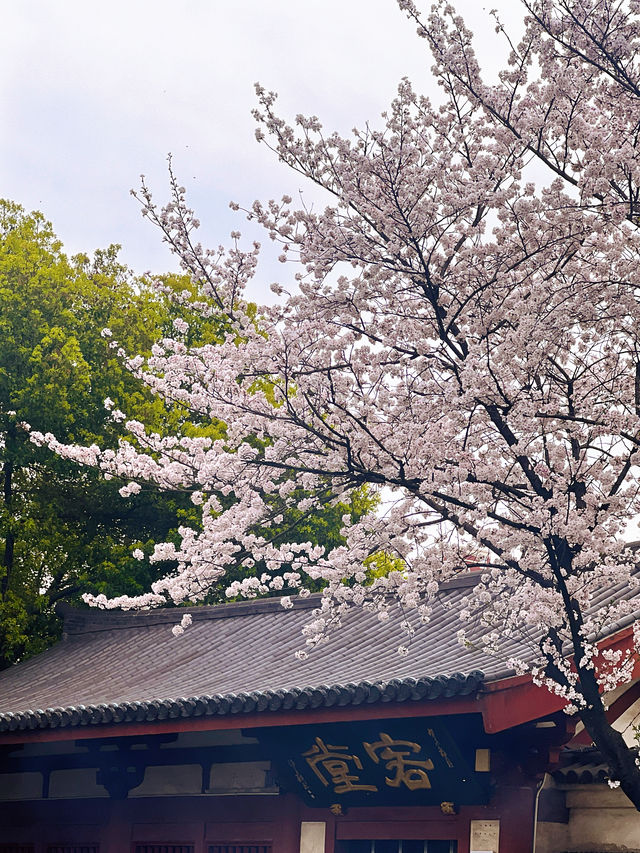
point(457, 336)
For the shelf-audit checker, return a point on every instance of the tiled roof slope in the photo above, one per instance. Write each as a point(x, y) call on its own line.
point(238, 658)
point(581, 767)
point(235, 658)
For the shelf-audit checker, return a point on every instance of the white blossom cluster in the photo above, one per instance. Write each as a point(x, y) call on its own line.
point(456, 336)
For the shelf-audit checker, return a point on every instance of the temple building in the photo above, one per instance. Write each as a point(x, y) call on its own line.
point(123, 738)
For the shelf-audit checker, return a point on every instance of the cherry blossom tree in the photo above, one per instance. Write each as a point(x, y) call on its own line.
point(458, 336)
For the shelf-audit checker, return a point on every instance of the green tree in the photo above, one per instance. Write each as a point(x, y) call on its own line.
point(64, 530)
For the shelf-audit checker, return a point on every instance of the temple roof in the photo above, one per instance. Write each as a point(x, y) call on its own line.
point(238, 658)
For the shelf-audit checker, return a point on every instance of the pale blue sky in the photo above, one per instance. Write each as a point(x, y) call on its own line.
point(91, 95)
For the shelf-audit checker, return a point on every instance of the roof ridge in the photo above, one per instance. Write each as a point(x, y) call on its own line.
point(89, 620)
point(79, 620)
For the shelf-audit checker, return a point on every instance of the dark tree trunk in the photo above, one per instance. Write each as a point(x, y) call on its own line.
point(620, 759)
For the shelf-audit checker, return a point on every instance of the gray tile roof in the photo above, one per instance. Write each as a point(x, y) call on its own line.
point(581, 767)
point(238, 658)
point(118, 667)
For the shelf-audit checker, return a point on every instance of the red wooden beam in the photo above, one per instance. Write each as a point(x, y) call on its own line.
point(513, 701)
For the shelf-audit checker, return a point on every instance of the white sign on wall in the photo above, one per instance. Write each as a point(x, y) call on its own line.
point(312, 836)
point(485, 836)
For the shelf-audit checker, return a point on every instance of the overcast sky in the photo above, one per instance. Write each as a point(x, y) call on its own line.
point(93, 95)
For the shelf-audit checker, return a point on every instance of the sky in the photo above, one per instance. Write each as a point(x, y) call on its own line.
point(94, 95)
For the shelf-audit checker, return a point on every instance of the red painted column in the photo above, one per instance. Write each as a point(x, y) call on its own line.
point(516, 808)
point(287, 835)
point(117, 832)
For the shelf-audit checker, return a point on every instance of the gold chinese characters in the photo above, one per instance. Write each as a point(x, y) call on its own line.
point(407, 771)
point(333, 761)
point(343, 769)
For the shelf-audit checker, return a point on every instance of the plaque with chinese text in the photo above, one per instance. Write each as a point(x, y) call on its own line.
point(390, 762)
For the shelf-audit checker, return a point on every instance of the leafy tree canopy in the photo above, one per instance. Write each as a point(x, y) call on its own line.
point(62, 529)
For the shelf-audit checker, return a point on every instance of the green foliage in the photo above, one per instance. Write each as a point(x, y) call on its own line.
point(65, 530)
point(381, 565)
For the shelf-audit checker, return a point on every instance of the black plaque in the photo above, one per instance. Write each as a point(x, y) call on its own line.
point(387, 762)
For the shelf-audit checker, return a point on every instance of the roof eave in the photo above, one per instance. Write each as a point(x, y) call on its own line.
point(397, 698)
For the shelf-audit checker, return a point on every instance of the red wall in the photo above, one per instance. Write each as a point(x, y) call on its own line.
point(117, 826)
